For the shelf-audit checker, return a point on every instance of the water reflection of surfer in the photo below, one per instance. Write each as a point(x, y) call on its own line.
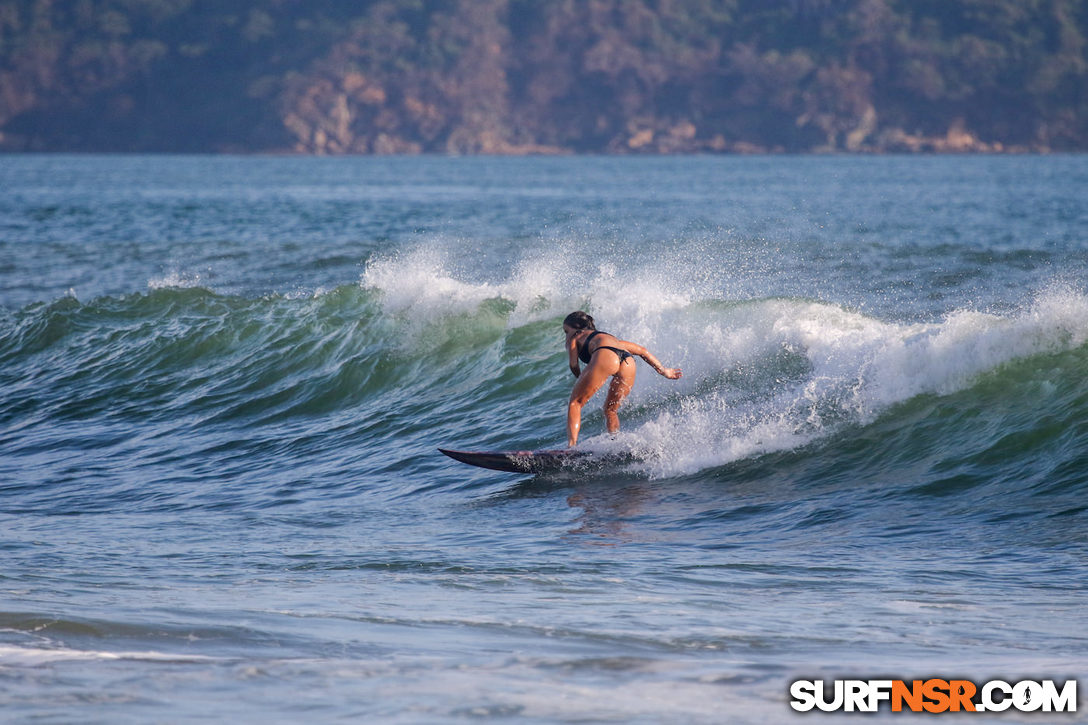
point(605, 356)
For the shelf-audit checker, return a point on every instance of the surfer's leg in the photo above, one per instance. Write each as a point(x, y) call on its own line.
point(589, 382)
point(622, 382)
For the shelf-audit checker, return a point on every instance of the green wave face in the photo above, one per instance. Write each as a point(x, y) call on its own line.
point(366, 369)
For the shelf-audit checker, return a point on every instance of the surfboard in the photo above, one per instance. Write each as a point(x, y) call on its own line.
point(524, 461)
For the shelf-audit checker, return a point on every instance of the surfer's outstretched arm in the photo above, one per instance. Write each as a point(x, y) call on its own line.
point(635, 349)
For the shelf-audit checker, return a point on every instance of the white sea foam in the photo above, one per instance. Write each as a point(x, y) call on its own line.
point(845, 366)
point(14, 656)
point(176, 280)
point(857, 367)
point(430, 283)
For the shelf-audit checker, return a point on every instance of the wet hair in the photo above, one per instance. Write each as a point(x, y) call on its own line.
point(579, 321)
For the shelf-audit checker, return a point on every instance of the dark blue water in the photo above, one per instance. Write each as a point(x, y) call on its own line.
point(223, 382)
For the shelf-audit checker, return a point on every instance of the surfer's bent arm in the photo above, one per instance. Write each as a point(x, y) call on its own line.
point(572, 350)
point(671, 373)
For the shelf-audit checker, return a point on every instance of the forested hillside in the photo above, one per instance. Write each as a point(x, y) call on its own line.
point(543, 76)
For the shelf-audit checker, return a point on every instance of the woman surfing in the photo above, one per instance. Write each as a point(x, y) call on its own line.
point(605, 356)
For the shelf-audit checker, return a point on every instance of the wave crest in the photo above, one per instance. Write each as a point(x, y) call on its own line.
point(761, 375)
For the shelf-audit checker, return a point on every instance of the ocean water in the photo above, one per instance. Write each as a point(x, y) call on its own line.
point(223, 381)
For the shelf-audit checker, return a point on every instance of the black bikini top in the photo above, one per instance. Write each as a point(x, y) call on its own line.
point(585, 355)
point(583, 349)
